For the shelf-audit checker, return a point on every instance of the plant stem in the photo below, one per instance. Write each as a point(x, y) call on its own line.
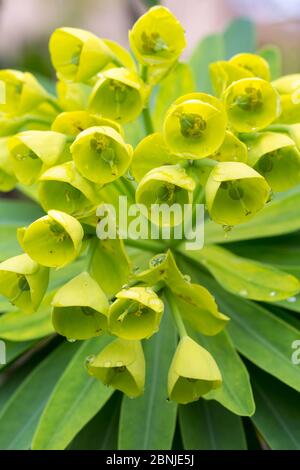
point(176, 315)
point(148, 124)
point(90, 255)
point(53, 102)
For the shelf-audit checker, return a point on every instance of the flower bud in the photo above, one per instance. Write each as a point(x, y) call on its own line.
point(63, 188)
point(24, 282)
point(100, 154)
point(193, 372)
point(78, 55)
point(121, 364)
point(53, 240)
point(80, 309)
point(235, 193)
point(157, 37)
point(119, 94)
point(22, 92)
point(74, 122)
point(166, 185)
point(136, 313)
point(251, 104)
point(223, 74)
point(276, 157)
point(150, 153)
point(32, 152)
point(7, 178)
point(73, 96)
point(231, 150)
point(253, 63)
point(190, 125)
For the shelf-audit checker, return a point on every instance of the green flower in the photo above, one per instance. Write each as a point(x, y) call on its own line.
point(276, 157)
point(121, 54)
point(121, 365)
point(235, 193)
point(24, 282)
point(32, 152)
point(288, 87)
point(190, 125)
point(193, 372)
point(73, 96)
point(231, 150)
point(80, 309)
point(223, 74)
point(252, 63)
point(63, 188)
point(100, 154)
point(157, 37)
point(7, 178)
point(251, 104)
point(78, 55)
point(74, 122)
point(136, 313)
point(167, 185)
point(23, 92)
point(53, 240)
point(119, 94)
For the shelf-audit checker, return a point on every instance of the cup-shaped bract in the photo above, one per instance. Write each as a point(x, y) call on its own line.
point(73, 96)
point(276, 157)
point(101, 154)
point(253, 63)
point(78, 55)
point(136, 313)
point(74, 122)
point(231, 150)
point(150, 153)
point(235, 192)
point(23, 92)
point(251, 104)
point(193, 372)
point(121, 364)
point(119, 94)
point(7, 178)
point(223, 73)
point(194, 126)
point(162, 188)
point(32, 152)
point(63, 188)
point(54, 240)
point(120, 55)
point(24, 282)
point(287, 84)
point(157, 37)
point(80, 309)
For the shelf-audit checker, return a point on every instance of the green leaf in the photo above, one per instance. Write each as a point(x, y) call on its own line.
point(206, 425)
point(179, 82)
point(18, 419)
point(240, 36)
point(209, 49)
point(278, 217)
point(101, 433)
point(76, 398)
point(245, 277)
point(148, 422)
point(272, 54)
point(277, 414)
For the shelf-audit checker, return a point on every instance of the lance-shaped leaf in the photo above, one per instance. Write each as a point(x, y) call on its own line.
point(231, 150)
point(7, 178)
point(119, 94)
point(121, 365)
point(53, 240)
point(235, 193)
point(136, 314)
point(151, 153)
point(190, 125)
point(101, 154)
point(80, 308)
point(161, 188)
point(73, 96)
point(74, 122)
point(31, 152)
point(277, 158)
point(110, 265)
point(24, 282)
point(251, 104)
point(157, 37)
point(193, 372)
point(78, 55)
point(22, 92)
point(195, 303)
point(253, 63)
point(63, 188)
point(223, 74)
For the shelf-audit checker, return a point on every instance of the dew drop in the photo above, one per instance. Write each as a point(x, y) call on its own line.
point(243, 293)
point(119, 364)
point(107, 364)
point(272, 293)
point(292, 299)
point(71, 340)
point(89, 360)
point(187, 278)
